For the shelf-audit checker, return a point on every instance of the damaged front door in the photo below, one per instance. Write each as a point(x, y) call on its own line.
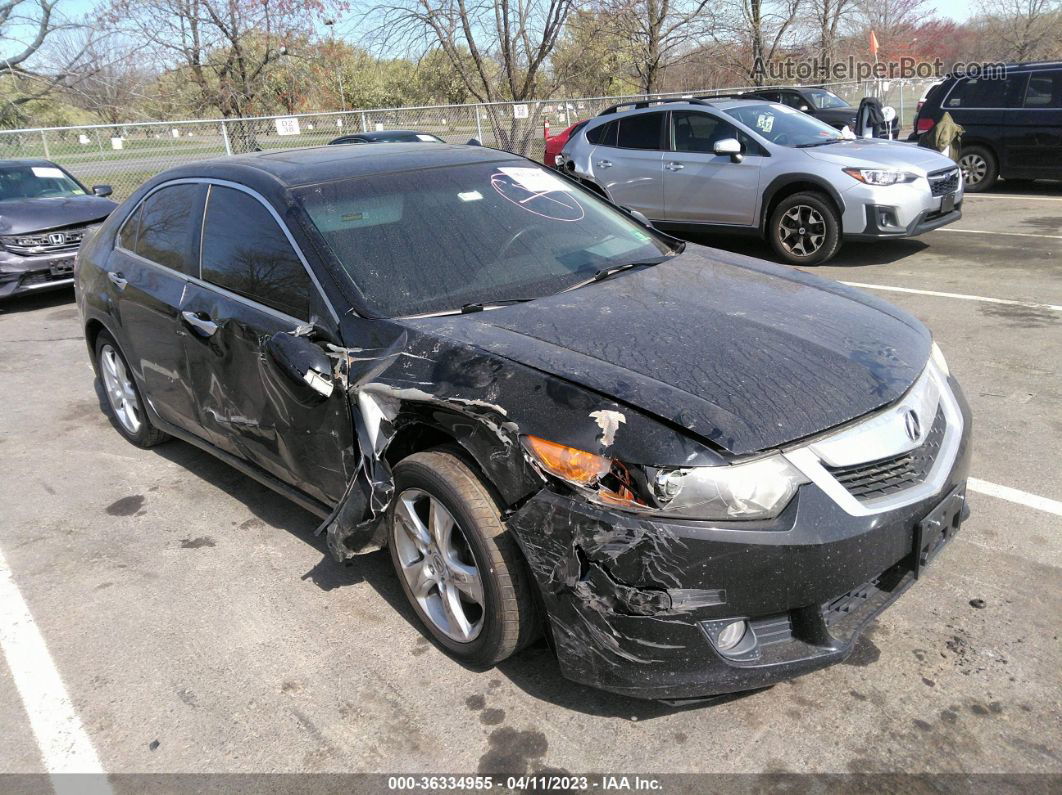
point(254, 286)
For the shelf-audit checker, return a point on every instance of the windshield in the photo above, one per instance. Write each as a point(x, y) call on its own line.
point(784, 126)
point(405, 138)
point(36, 182)
point(438, 239)
point(824, 99)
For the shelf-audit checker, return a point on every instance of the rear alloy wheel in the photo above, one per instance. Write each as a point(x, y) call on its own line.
point(125, 406)
point(458, 565)
point(979, 169)
point(804, 229)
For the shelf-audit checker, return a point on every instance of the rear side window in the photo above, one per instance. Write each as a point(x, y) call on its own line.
point(1044, 90)
point(169, 227)
point(641, 132)
point(982, 92)
point(246, 252)
point(605, 135)
point(127, 234)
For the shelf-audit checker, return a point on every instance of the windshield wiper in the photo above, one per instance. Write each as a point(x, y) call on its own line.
point(607, 273)
point(479, 306)
point(818, 143)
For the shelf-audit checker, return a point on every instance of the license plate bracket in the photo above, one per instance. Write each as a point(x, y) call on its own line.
point(947, 203)
point(937, 528)
point(63, 267)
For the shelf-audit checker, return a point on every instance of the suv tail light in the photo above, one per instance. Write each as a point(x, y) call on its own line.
point(924, 125)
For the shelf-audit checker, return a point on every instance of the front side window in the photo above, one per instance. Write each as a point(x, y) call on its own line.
point(642, 131)
point(824, 100)
point(246, 252)
point(695, 131)
point(36, 182)
point(784, 126)
point(793, 100)
point(439, 239)
point(169, 227)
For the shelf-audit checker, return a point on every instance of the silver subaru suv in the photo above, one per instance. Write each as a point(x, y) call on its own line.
point(738, 165)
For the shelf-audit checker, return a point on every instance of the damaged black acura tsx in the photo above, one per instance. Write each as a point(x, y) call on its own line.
point(696, 472)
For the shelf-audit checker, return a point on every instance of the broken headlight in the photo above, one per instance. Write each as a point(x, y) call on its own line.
point(754, 490)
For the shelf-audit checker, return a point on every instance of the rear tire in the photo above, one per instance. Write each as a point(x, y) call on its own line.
point(124, 405)
point(464, 577)
point(805, 229)
point(979, 168)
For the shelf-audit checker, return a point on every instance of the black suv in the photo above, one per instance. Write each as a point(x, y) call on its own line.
point(818, 102)
point(1012, 122)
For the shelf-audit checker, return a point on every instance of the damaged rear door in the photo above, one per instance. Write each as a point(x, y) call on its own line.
point(254, 285)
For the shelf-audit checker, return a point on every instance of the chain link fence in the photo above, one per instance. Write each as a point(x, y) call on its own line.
point(125, 155)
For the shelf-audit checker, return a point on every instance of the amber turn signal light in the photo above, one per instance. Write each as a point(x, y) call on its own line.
point(568, 463)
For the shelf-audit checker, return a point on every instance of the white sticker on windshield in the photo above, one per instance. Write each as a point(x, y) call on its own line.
point(45, 172)
point(423, 137)
point(765, 122)
point(535, 180)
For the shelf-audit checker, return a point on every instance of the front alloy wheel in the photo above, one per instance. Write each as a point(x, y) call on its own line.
point(458, 564)
point(805, 228)
point(802, 230)
point(438, 565)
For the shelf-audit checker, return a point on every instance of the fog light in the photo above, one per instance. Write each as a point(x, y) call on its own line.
point(731, 635)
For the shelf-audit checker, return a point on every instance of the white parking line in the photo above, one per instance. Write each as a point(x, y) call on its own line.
point(988, 232)
point(961, 296)
point(1011, 196)
point(64, 746)
point(1015, 495)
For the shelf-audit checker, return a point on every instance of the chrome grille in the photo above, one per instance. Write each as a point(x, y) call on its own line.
point(874, 479)
point(944, 181)
point(46, 242)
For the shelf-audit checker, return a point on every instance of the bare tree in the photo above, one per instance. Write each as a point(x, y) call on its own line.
point(827, 17)
point(1022, 30)
point(112, 77)
point(499, 50)
point(893, 22)
point(225, 46)
point(756, 31)
point(658, 33)
point(27, 25)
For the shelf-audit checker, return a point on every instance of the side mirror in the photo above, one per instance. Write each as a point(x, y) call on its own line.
point(640, 217)
point(729, 146)
point(303, 362)
point(102, 190)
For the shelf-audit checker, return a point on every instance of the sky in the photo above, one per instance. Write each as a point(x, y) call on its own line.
point(958, 10)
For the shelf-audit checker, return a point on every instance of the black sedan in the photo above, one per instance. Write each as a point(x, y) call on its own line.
point(388, 137)
point(821, 103)
point(44, 214)
point(697, 472)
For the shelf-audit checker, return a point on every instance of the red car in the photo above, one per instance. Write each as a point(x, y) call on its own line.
point(555, 143)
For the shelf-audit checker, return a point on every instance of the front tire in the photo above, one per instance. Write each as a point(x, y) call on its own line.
point(458, 565)
point(979, 168)
point(125, 406)
point(805, 229)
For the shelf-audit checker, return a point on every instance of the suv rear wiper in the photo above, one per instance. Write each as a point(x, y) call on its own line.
point(479, 306)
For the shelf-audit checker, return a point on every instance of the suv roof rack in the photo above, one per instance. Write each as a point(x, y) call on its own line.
point(645, 103)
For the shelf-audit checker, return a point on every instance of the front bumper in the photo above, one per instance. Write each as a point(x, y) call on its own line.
point(34, 273)
point(630, 600)
point(897, 211)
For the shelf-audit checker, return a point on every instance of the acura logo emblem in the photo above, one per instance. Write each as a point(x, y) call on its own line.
point(912, 425)
point(57, 239)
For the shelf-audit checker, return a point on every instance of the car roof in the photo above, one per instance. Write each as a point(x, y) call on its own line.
point(27, 161)
point(266, 171)
point(684, 103)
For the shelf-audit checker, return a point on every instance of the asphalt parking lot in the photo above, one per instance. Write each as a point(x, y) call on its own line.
point(198, 625)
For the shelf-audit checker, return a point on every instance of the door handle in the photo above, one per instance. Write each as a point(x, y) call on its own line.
point(119, 281)
point(205, 326)
point(673, 166)
point(604, 164)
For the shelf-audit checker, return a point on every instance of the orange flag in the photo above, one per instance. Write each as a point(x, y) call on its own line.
point(873, 44)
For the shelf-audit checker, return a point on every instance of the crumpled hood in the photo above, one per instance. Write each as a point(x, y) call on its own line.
point(744, 354)
point(879, 152)
point(33, 215)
